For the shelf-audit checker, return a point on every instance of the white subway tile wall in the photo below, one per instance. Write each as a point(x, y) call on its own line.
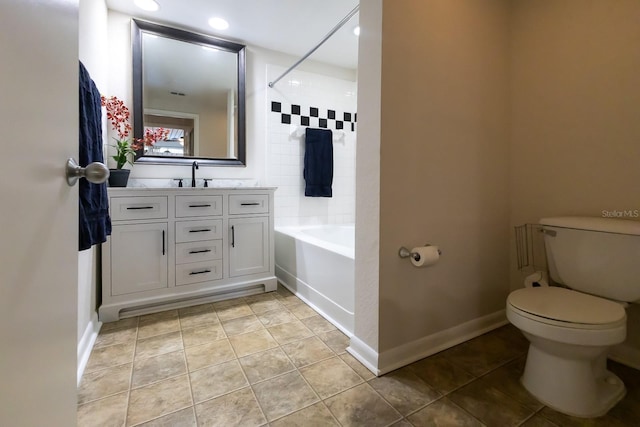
point(304, 99)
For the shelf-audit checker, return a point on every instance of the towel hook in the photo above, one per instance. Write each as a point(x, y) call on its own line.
point(95, 172)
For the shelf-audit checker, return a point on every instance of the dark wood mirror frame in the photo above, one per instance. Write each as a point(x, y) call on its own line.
point(137, 28)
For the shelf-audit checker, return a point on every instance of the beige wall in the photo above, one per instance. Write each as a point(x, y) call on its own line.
point(443, 164)
point(575, 131)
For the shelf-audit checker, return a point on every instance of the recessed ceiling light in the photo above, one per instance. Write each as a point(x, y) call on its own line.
point(356, 30)
point(218, 23)
point(149, 5)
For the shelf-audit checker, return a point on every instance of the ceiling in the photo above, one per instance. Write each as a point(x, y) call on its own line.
point(289, 26)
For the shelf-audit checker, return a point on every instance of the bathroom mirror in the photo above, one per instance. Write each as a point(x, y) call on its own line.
point(194, 86)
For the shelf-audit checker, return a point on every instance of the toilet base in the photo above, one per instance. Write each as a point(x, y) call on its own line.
point(571, 379)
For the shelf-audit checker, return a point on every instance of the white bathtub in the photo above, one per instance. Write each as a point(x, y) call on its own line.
point(316, 263)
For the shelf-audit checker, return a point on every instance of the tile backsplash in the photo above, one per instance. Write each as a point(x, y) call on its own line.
point(300, 100)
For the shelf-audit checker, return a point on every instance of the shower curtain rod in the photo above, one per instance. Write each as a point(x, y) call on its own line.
point(327, 37)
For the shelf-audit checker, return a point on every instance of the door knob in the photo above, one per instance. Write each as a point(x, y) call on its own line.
point(95, 172)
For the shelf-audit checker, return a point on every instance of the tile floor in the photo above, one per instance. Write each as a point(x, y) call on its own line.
point(270, 360)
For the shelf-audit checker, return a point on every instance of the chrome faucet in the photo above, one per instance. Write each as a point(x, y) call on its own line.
point(194, 166)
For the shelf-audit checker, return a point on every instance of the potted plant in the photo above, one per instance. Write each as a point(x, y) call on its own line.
point(118, 115)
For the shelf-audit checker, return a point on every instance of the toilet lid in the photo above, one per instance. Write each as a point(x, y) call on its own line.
point(566, 305)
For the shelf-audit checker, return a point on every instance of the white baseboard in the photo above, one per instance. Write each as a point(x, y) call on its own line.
point(397, 357)
point(365, 354)
point(626, 355)
point(329, 309)
point(85, 344)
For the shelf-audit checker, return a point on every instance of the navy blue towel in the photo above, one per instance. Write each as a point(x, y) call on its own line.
point(94, 221)
point(318, 162)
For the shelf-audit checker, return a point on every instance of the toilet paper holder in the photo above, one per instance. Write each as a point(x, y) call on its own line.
point(406, 253)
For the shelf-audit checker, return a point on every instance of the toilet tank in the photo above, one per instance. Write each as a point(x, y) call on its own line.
point(599, 256)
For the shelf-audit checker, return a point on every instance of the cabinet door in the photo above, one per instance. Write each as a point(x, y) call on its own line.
point(249, 246)
point(138, 258)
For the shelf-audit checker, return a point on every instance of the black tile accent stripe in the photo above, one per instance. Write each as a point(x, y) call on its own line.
point(332, 120)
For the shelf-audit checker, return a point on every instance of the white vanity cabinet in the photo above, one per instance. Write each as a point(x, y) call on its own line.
point(178, 247)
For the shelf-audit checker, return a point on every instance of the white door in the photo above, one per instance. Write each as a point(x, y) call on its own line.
point(38, 212)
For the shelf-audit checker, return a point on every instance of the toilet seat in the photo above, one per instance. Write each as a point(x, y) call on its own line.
point(566, 308)
point(537, 313)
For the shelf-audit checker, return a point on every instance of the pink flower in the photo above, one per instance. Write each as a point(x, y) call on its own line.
point(118, 115)
point(151, 136)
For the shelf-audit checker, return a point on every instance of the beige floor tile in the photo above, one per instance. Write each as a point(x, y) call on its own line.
point(201, 308)
point(567, 421)
point(115, 336)
point(288, 332)
point(217, 380)
point(360, 369)
point(259, 307)
point(159, 344)
point(234, 311)
point(288, 300)
point(228, 303)
point(197, 319)
point(276, 317)
point(128, 323)
point(362, 406)
point(440, 374)
point(267, 296)
point(404, 390)
point(302, 311)
point(402, 423)
point(158, 323)
point(107, 357)
point(253, 342)
point(318, 324)
point(336, 340)
point(482, 354)
point(241, 325)
point(238, 408)
point(307, 351)
point(331, 376)
point(314, 415)
point(107, 412)
point(507, 379)
point(183, 418)
point(103, 383)
point(265, 365)
point(209, 354)
point(444, 413)
point(158, 368)
point(538, 421)
point(158, 399)
point(283, 395)
point(489, 405)
point(202, 334)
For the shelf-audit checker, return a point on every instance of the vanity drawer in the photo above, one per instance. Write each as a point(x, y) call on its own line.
point(248, 204)
point(188, 206)
point(197, 231)
point(127, 208)
point(198, 251)
point(198, 272)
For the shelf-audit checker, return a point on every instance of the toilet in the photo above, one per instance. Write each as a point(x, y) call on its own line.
point(570, 330)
